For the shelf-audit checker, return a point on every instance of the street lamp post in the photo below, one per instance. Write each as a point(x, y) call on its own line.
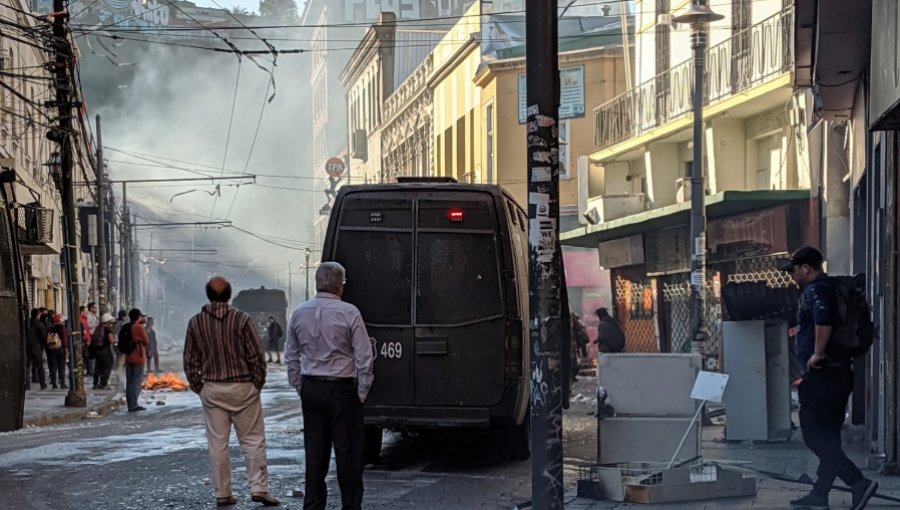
point(307, 273)
point(698, 15)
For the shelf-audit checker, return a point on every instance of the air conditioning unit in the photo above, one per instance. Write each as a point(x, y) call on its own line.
point(666, 20)
point(359, 144)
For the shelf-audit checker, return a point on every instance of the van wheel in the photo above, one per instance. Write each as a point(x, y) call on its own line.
point(372, 449)
point(519, 441)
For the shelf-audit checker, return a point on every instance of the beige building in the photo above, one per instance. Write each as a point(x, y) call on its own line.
point(24, 149)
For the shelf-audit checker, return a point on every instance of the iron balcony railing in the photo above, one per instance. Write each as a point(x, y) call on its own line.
point(749, 58)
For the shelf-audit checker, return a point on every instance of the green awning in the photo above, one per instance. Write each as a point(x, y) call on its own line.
point(720, 205)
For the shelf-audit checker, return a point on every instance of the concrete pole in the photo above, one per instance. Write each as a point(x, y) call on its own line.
point(545, 282)
point(103, 261)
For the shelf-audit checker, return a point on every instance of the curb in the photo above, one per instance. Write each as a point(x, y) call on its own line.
point(111, 403)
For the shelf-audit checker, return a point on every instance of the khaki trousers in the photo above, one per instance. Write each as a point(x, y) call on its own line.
point(225, 404)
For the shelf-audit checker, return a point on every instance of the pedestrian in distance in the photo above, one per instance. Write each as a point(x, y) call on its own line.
point(101, 351)
point(827, 382)
point(118, 357)
point(152, 347)
point(225, 365)
point(275, 334)
point(610, 337)
point(37, 334)
point(57, 346)
point(329, 361)
point(87, 333)
point(132, 345)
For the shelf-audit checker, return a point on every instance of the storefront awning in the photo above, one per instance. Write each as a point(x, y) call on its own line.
point(720, 205)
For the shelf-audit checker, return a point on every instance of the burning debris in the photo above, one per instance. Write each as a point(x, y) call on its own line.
point(167, 381)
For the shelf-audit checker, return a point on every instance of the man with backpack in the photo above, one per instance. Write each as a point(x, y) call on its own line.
point(833, 327)
point(101, 351)
point(132, 344)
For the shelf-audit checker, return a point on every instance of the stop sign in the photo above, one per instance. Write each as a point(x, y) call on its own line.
point(335, 167)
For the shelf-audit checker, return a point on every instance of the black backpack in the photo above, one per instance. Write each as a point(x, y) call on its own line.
point(126, 342)
point(98, 338)
point(853, 332)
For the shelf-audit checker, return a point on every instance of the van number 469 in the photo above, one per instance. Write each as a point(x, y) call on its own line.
point(392, 350)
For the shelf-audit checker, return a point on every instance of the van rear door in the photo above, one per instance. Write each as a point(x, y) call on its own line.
point(374, 243)
point(459, 307)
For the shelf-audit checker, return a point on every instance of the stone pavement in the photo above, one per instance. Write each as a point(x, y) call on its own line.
point(47, 407)
point(788, 458)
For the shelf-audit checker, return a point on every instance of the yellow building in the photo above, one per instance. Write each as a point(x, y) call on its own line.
point(502, 159)
point(457, 101)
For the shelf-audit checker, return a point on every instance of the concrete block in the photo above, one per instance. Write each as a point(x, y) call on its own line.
point(646, 439)
point(649, 384)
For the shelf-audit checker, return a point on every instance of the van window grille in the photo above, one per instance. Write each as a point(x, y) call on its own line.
point(368, 256)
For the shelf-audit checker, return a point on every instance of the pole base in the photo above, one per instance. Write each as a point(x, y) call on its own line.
point(76, 398)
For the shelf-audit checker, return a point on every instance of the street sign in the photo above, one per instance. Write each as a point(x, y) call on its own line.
point(335, 167)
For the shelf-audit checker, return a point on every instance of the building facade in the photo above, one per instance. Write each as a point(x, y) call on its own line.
point(756, 164)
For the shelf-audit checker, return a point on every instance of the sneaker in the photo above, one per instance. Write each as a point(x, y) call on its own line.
point(863, 491)
point(811, 502)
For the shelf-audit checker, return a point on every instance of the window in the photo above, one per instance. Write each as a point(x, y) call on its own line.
point(564, 150)
point(489, 143)
point(461, 149)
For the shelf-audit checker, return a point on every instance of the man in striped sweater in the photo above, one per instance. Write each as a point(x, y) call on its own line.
point(225, 364)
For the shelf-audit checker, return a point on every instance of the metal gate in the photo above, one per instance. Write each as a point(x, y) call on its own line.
point(676, 297)
point(635, 299)
point(12, 344)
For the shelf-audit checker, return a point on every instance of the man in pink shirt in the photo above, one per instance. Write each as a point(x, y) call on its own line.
point(329, 360)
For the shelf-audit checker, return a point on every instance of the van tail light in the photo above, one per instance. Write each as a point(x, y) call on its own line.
point(513, 348)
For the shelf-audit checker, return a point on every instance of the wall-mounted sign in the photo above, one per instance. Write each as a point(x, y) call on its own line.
point(571, 93)
point(335, 167)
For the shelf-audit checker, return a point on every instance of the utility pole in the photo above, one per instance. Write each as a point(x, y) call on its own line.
point(290, 286)
point(135, 265)
point(126, 250)
point(541, 59)
point(307, 273)
point(63, 136)
point(115, 286)
point(102, 259)
point(698, 16)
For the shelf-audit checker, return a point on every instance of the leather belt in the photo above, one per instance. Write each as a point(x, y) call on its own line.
point(329, 378)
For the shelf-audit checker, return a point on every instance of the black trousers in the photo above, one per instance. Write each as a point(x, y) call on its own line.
point(102, 366)
point(36, 365)
point(823, 401)
point(56, 360)
point(332, 417)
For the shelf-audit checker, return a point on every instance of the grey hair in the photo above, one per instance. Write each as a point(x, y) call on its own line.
point(330, 277)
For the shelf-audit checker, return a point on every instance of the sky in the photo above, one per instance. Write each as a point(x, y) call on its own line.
point(250, 5)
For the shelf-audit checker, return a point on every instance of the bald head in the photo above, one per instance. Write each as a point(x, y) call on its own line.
point(218, 290)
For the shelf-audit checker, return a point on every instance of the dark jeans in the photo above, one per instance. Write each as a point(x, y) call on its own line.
point(102, 366)
point(134, 378)
point(56, 360)
point(332, 416)
point(823, 402)
point(154, 357)
point(36, 365)
point(88, 362)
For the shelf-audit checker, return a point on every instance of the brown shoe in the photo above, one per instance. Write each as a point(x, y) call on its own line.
point(265, 498)
point(229, 501)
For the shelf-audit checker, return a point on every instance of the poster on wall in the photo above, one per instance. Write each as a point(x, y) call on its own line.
point(571, 93)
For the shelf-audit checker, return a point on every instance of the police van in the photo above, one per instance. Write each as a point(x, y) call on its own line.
point(439, 272)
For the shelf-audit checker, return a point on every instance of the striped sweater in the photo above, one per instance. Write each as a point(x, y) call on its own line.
point(222, 345)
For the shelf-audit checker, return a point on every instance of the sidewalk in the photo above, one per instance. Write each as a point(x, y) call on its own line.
point(47, 407)
point(788, 458)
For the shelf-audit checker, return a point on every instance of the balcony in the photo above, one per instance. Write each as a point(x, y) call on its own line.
point(612, 207)
point(751, 57)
